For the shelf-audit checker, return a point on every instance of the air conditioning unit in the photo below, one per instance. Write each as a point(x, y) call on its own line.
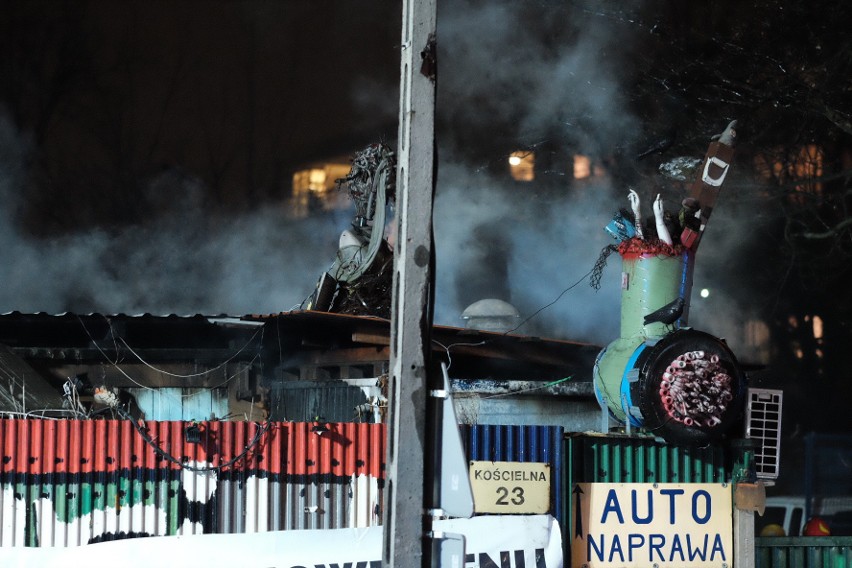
point(763, 424)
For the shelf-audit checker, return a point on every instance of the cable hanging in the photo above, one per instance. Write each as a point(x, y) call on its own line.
point(261, 430)
point(191, 375)
point(521, 391)
point(115, 365)
point(559, 297)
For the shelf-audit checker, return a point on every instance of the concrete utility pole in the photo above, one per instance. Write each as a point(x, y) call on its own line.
point(405, 545)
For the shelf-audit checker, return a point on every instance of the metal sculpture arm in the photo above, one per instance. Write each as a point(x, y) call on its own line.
point(637, 213)
point(362, 249)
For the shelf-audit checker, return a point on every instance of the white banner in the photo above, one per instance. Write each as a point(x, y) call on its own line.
point(507, 541)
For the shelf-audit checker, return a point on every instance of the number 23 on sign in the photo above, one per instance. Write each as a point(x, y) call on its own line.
point(510, 487)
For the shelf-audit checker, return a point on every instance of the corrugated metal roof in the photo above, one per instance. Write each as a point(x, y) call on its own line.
point(317, 338)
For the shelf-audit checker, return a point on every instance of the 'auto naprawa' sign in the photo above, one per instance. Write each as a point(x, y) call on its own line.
point(665, 525)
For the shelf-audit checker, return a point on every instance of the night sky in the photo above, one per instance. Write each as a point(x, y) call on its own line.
point(147, 151)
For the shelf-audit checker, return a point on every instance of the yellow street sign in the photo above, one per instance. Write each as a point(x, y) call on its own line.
point(510, 487)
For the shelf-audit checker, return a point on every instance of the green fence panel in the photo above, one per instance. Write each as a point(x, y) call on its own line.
point(803, 552)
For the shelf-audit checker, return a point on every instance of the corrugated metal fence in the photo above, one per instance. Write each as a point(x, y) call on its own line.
point(598, 458)
point(71, 482)
point(803, 552)
point(522, 444)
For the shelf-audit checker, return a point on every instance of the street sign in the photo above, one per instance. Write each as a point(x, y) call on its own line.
point(665, 525)
point(510, 487)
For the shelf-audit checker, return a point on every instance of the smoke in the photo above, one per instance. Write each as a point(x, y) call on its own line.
point(528, 76)
point(179, 261)
point(551, 76)
point(552, 246)
point(737, 232)
point(537, 71)
point(536, 78)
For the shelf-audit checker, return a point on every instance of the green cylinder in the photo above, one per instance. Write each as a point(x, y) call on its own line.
point(649, 282)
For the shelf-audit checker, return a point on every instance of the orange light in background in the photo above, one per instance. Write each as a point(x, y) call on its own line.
point(757, 340)
point(817, 327)
point(802, 164)
point(312, 188)
point(582, 166)
point(316, 180)
point(522, 165)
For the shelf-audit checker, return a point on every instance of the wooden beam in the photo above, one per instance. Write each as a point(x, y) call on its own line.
point(371, 338)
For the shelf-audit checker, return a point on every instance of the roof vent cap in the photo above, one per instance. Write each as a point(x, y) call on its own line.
point(491, 314)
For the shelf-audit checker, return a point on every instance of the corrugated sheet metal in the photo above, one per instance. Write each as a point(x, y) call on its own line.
point(632, 459)
point(803, 552)
point(71, 482)
point(338, 401)
point(522, 444)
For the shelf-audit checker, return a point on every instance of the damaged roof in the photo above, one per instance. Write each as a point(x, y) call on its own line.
point(472, 354)
point(287, 338)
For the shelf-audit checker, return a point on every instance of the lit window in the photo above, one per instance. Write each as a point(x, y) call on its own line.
point(522, 165)
point(817, 327)
point(313, 189)
point(582, 166)
point(316, 180)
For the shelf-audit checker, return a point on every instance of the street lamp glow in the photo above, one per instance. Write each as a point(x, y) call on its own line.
point(704, 292)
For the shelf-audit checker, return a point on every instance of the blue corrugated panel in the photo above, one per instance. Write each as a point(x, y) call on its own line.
point(520, 444)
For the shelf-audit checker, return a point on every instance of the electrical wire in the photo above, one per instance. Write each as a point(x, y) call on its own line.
point(110, 361)
point(559, 297)
point(451, 345)
point(261, 430)
point(538, 311)
point(191, 375)
point(39, 413)
point(521, 391)
point(115, 365)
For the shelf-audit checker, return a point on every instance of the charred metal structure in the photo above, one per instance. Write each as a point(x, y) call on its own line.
point(359, 280)
point(239, 424)
point(291, 366)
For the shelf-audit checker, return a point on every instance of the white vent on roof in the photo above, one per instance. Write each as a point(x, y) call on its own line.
point(491, 314)
point(763, 423)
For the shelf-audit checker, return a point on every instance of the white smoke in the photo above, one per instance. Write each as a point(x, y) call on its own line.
point(563, 78)
point(553, 245)
point(569, 78)
point(564, 71)
point(179, 262)
point(494, 69)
